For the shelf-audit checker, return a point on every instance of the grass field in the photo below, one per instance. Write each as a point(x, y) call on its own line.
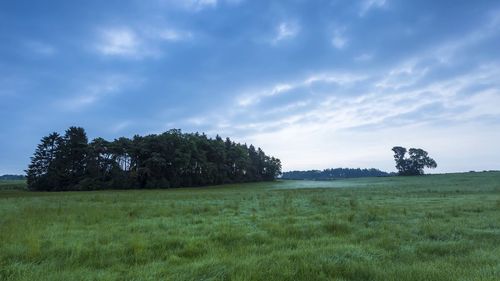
point(441, 227)
point(12, 184)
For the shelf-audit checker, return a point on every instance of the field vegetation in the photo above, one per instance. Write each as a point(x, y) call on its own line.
point(439, 227)
point(12, 184)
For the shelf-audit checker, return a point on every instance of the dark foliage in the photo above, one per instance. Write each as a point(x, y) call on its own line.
point(414, 164)
point(171, 159)
point(330, 174)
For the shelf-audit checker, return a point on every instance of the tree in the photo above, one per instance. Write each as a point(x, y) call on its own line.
point(42, 172)
point(72, 160)
point(99, 161)
point(414, 164)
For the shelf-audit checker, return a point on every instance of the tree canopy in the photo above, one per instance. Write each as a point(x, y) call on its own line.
point(170, 159)
point(414, 164)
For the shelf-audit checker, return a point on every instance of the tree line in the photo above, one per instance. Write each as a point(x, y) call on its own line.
point(12, 177)
point(409, 162)
point(170, 159)
point(330, 174)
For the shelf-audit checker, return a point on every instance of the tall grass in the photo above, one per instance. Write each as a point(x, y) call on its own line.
point(442, 227)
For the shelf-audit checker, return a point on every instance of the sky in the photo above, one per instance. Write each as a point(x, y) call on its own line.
point(318, 84)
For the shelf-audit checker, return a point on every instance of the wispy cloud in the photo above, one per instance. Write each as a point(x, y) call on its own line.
point(403, 75)
point(337, 118)
point(339, 40)
point(285, 31)
point(120, 126)
point(190, 5)
point(120, 41)
point(253, 97)
point(136, 43)
point(95, 91)
point(173, 35)
point(14, 86)
point(364, 57)
point(41, 48)
point(367, 5)
point(404, 104)
point(199, 5)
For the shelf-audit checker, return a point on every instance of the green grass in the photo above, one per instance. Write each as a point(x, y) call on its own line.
point(442, 227)
point(12, 184)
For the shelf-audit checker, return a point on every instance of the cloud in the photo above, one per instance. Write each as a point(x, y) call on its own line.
point(253, 97)
point(404, 75)
point(120, 42)
point(234, 2)
point(364, 57)
point(423, 101)
point(367, 5)
point(430, 116)
point(120, 126)
point(197, 5)
point(190, 5)
point(285, 31)
point(310, 147)
point(95, 91)
point(41, 48)
point(14, 86)
point(204, 2)
point(339, 40)
point(137, 43)
point(172, 35)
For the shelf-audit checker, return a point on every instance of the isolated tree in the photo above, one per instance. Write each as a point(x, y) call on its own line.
point(414, 164)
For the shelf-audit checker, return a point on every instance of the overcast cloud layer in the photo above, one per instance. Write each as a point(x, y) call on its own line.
point(318, 84)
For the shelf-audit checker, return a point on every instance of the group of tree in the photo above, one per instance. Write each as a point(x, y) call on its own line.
point(408, 163)
point(170, 159)
point(12, 177)
point(331, 174)
point(414, 163)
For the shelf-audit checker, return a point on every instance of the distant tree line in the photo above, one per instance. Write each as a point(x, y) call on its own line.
point(170, 159)
point(331, 174)
point(12, 177)
point(414, 163)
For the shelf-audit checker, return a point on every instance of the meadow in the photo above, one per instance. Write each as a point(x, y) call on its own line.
point(12, 184)
point(437, 227)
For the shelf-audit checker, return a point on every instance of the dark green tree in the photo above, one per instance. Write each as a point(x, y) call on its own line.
point(414, 164)
point(42, 173)
point(72, 157)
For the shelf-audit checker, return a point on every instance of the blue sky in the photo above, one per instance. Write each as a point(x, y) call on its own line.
point(318, 84)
